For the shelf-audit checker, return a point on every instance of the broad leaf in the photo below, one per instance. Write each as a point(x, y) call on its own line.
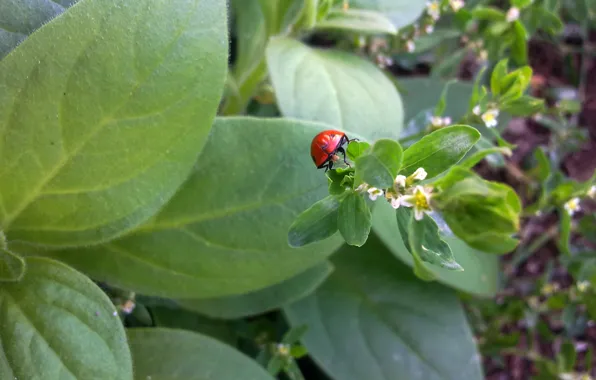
point(334, 87)
point(379, 166)
point(316, 223)
point(12, 266)
point(481, 269)
point(58, 324)
point(372, 319)
point(354, 219)
point(225, 231)
point(100, 130)
point(20, 18)
point(400, 12)
point(439, 150)
point(264, 300)
point(357, 20)
point(160, 353)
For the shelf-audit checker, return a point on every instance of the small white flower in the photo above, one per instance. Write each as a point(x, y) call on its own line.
point(419, 200)
point(490, 118)
point(420, 174)
point(433, 9)
point(283, 349)
point(572, 206)
point(400, 182)
point(582, 286)
point(428, 29)
point(512, 14)
point(394, 199)
point(592, 192)
point(483, 55)
point(362, 188)
point(456, 5)
point(476, 110)
point(374, 193)
point(436, 121)
point(446, 120)
point(410, 46)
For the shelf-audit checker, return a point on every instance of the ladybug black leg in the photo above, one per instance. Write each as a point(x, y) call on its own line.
point(342, 151)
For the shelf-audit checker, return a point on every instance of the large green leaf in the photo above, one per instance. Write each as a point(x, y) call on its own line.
point(372, 319)
point(20, 18)
point(400, 12)
point(57, 324)
point(225, 232)
point(481, 269)
point(160, 353)
point(99, 130)
point(264, 300)
point(334, 87)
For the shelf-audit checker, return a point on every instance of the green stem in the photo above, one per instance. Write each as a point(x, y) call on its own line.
point(237, 104)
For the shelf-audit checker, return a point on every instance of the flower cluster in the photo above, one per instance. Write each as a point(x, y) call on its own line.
point(404, 193)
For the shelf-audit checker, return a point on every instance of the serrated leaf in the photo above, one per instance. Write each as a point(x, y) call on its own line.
point(57, 324)
point(264, 300)
point(439, 150)
point(357, 20)
point(100, 130)
point(354, 219)
point(372, 319)
point(334, 87)
point(226, 230)
point(172, 354)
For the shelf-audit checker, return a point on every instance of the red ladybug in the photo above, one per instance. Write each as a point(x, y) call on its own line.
point(324, 148)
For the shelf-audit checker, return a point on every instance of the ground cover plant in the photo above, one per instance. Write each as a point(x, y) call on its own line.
point(302, 189)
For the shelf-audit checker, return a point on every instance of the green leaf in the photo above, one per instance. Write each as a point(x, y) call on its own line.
point(356, 149)
point(481, 154)
point(334, 87)
point(565, 231)
point(354, 219)
point(519, 48)
point(480, 276)
point(436, 38)
point(264, 300)
point(20, 18)
point(439, 150)
point(424, 239)
point(58, 323)
point(404, 217)
point(314, 224)
point(358, 20)
point(442, 104)
point(372, 319)
point(499, 72)
point(160, 353)
point(521, 3)
point(488, 13)
point(524, 106)
point(226, 230)
point(379, 166)
point(100, 130)
point(400, 12)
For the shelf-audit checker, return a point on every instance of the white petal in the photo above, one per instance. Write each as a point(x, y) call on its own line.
point(418, 214)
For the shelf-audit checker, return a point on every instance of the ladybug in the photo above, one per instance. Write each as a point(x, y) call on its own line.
point(326, 145)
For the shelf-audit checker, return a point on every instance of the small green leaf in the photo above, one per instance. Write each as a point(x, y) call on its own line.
point(481, 154)
point(56, 323)
point(358, 20)
point(400, 12)
point(519, 48)
point(499, 72)
point(439, 150)
point(263, 300)
point(523, 106)
point(316, 223)
point(356, 149)
point(404, 217)
point(565, 231)
point(294, 334)
point(298, 351)
point(439, 36)
point(424, 239)
point(380, 165)
point(442, 104)
point(160, 353)
point(354, 219)
point(521, 4)
point(488, 13)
